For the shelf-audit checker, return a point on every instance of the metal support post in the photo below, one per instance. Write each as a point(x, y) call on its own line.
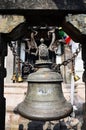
point(3, 53)
point(84, 80)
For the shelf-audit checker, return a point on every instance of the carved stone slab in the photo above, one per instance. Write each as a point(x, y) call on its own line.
point(44, 4)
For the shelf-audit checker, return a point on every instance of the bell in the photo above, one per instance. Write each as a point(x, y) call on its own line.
point(19, 78)
point(76, 78)
point(44, 99)
point(14, 78)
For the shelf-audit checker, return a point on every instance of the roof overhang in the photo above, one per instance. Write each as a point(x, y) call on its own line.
point(37, 12)
point(45, 12)
point(44, 4)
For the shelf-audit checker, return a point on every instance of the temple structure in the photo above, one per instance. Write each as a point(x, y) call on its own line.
point(38, 13)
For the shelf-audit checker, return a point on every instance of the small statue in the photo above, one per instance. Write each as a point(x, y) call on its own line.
point(43, 50)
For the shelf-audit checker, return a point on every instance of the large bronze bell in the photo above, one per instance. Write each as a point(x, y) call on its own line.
point(44, 99)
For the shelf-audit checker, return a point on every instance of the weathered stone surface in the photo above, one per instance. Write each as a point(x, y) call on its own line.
point(44, 4)
point(79, 21)
point(9, 22)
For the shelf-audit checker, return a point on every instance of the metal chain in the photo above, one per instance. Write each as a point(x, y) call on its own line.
point(56, 67)
point(75, 54)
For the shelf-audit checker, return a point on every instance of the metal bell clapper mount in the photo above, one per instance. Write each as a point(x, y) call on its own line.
point(44, 98)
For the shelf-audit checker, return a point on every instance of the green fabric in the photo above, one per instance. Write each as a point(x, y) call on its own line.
point(62, 34)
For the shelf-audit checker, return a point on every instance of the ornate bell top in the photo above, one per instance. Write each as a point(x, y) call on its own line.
point(44, 72)
point(45, 75)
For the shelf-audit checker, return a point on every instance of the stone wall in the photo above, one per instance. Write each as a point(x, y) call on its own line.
point(14, 94)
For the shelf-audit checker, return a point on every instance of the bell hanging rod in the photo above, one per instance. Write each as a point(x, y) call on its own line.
point(42, 27)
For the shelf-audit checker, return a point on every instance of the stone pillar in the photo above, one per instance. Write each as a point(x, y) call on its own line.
point(3, 53)
point(84, 79)
point(9, 66)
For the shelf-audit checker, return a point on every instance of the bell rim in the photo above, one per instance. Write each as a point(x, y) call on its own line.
point(46, 118)
point(43, 118)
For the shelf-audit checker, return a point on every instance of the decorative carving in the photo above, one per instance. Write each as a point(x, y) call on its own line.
point(43, 50)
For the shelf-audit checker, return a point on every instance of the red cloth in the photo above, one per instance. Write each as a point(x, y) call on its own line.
point(67, 40)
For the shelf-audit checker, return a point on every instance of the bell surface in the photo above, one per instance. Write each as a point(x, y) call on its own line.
point(19, 78)
point(76, 78)
point(14, 78)
point(44, 99)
